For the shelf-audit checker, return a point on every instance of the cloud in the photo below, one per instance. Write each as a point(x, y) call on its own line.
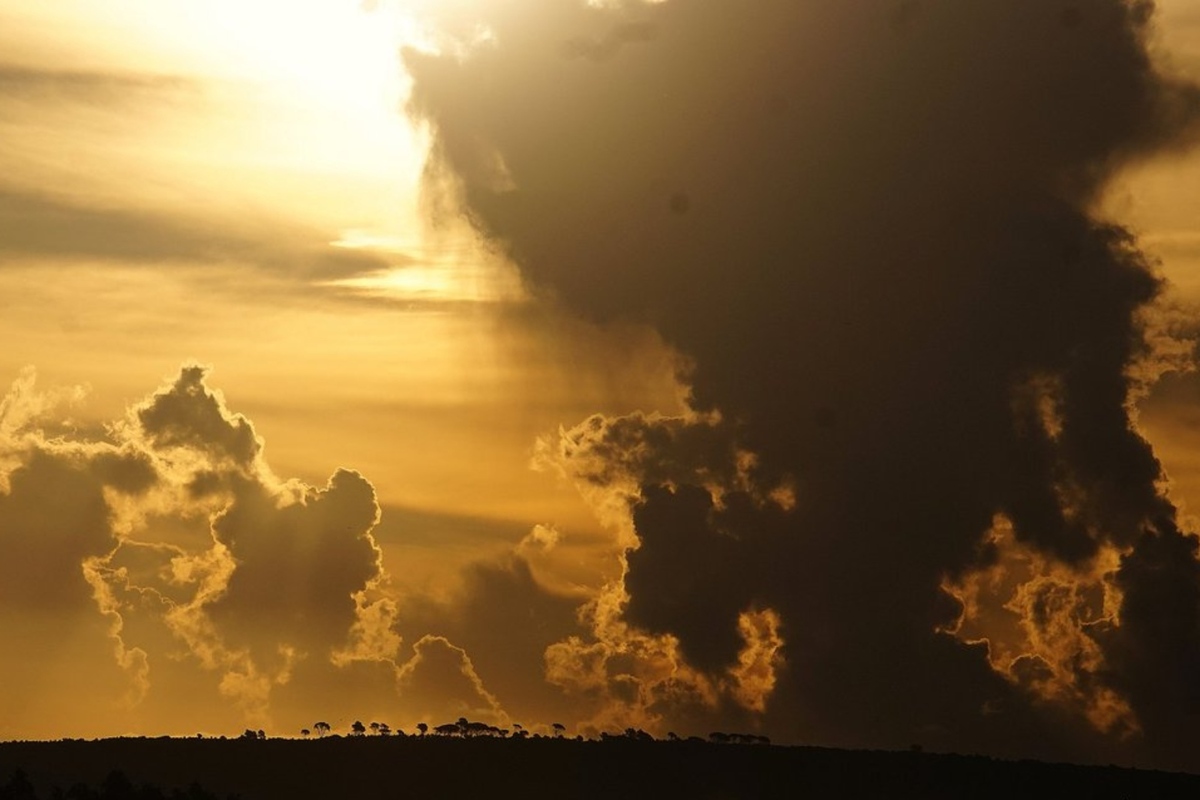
point(56, 501)
point(190, 416)
point(216, 594)
point(443, 685)
point(609, 44)
point(759, 660)
point(168, 540)
point(871, 229)
point(38, 224)
point(1155, 651)
point(289, 567)
point(505, 620)
point(619, 676)
point(300, 559)
point(662, 648)
point(97, 87)
point(1043, 622)
point(53, 517)
point(59, 524)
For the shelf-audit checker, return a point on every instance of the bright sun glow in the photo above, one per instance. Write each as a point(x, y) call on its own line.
point(332, 51)
point(331, 64)
point(460, 274)
point(330, 72)
point(288, 89)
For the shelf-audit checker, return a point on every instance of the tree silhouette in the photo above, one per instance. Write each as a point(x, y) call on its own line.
point(479, 729)
point(18, 787)
point(384, 729)
point(374, 726)
point(305, 732)
point(357, 729)
point(321, 728)
point(422, 727)
point(116, 785)
point(558, 729)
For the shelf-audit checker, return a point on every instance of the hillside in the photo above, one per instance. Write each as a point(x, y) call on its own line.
point(371, 767)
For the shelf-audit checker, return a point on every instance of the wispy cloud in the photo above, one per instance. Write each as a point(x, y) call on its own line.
point(92, 87)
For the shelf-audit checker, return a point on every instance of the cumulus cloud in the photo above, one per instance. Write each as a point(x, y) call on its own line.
point(1042, 621)
point(662, 647)
point(169, 538)
point(505, 618)
point(200, 588)
point(299, 560)
point(289, 566)
point(872, 228)
point(190, 416)
point(58, 526)
point(622, 677)
point(53, 518)
point(442, 682)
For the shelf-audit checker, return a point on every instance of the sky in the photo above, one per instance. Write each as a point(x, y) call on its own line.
point(818, 370)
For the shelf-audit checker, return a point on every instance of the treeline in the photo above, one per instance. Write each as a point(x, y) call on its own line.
point(466, 729)
point(462, 728)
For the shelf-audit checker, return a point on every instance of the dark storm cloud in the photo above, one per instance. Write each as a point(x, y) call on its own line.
point(1156, 650)
point(870, 225)
point(609, 44)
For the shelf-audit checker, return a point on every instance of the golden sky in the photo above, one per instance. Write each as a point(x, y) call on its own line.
point(355, 348)
point(236, 185)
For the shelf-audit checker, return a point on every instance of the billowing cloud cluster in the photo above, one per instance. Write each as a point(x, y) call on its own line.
point(157, 574)
point(872, 228)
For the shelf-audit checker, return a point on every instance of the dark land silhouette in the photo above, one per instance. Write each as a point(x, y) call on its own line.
point(615, 767)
